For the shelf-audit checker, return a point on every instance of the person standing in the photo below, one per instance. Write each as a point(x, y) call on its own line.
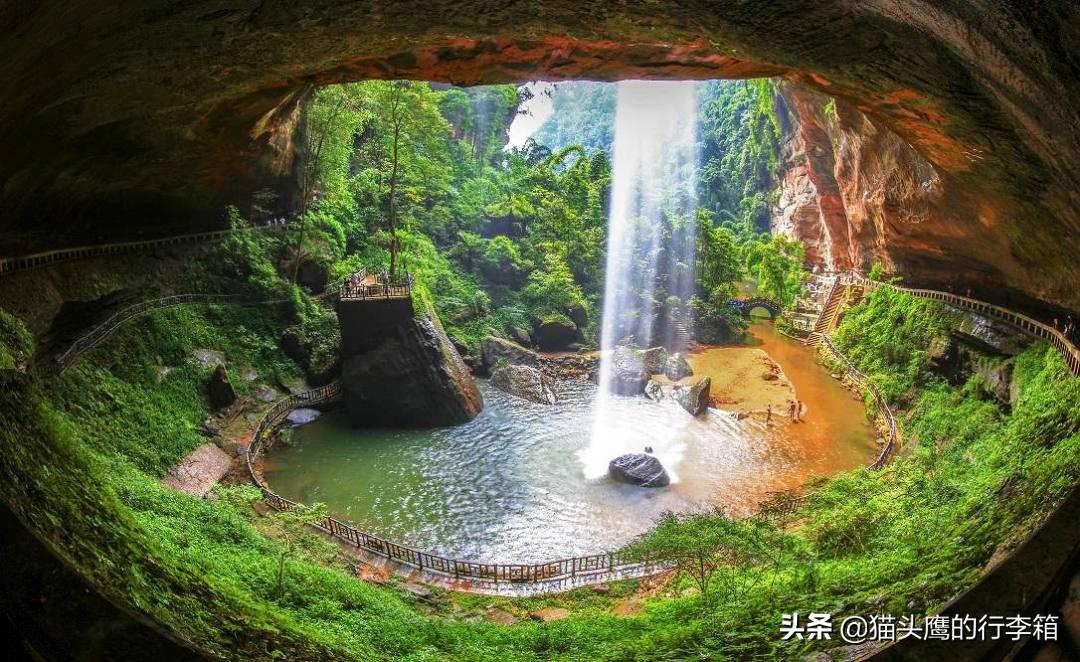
point(768, 413)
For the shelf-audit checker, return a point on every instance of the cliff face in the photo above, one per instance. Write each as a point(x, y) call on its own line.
point(406, 373)
point(856, 193)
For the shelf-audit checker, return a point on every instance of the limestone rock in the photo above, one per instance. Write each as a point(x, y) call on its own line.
point(220, 389)
point(556, 334)
point(550, 614)
point(520, 336)
point(496, 351)
point(692, 394)
point(676, 367)
point(197, 473)
point(524, 382)
point(628, 375)
point(654, 390)
point(654, 358)
point(639, 469)
point(208, 357)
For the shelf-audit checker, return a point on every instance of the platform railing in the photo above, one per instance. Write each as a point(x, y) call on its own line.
point(356, 289)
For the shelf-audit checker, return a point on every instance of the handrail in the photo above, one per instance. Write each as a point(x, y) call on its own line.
point(355, 288)
point(506, 572)
point(102, 331)
point(883, 407)
point(1054, 337)
point(35, 260)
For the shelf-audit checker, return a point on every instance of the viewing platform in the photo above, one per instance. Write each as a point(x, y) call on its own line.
point(364, 285)
point(371, 307)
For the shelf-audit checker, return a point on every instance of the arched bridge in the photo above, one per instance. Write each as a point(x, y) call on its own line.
point(750, 303)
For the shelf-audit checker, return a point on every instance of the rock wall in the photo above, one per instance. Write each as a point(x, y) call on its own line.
point(855, 193)
point(408, 375)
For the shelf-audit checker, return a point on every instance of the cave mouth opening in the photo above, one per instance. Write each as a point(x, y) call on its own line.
point(671, 180)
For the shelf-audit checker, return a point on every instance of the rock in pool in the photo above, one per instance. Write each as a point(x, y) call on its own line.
point(298, 417)
point(654, 359)
point(628, 376)
point(524, 382)
point(676, 367)
point(692, 393)
point(639, 469)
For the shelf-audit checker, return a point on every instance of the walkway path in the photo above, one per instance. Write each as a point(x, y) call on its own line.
point(35, 260)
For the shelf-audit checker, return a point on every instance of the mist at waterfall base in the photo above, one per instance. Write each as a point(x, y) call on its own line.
point(650, 250)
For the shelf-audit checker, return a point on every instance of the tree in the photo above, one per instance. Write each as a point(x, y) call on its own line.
point(331, 118)
point(712, 548)
point(414, 137)
point(291, 525)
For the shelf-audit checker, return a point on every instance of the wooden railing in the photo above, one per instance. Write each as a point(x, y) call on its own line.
point(1055, 338)
point(578, 567)
point(35, 260)
point(376, 287)
point(892, 435)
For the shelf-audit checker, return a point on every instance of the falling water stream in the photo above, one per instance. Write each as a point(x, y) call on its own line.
point(650, 240)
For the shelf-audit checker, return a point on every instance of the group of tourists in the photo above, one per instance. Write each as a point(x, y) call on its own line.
point(795, 410)
point(280, 220)
point(1068, 329)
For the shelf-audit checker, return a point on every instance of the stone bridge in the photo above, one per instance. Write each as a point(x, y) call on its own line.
point(747, 304)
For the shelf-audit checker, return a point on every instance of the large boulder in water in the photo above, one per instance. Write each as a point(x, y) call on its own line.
point(496, 351)
point(654, 359)
point(676, 367)
point(555, 334)
point(412, 378)
point(639, 469)
point(654, 390)
point(524, 382)
point(628, 374)
point(303, 416)
point(692, 394)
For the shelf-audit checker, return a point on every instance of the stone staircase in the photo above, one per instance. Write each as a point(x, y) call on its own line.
point(680, 335)
point(830, 311)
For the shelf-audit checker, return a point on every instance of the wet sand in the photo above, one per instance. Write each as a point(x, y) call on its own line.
point(744, 379)
point(833, 418)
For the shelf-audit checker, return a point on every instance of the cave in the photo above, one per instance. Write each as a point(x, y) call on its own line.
point(933, 145)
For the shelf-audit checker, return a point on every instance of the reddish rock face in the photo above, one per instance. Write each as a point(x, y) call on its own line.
point(149, 117)
point(856, 193)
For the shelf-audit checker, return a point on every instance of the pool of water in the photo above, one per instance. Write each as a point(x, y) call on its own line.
point(510, 485)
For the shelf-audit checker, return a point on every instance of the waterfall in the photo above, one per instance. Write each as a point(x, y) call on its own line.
point(650, 246)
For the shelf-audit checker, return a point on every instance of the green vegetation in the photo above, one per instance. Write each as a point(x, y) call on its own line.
point(81, 463)
point(16, 343)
